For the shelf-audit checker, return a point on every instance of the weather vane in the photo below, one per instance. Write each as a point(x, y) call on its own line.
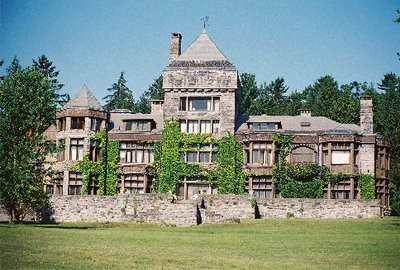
point(205, 20)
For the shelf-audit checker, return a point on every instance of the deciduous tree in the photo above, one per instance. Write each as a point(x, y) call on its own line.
point(27, 108)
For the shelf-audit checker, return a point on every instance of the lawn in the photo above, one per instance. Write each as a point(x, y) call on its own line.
point(252, 244)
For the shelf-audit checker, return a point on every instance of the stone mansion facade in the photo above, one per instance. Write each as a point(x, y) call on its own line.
point(202, 91)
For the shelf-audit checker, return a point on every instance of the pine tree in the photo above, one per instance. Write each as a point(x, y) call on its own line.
point(45, 66)
point(155, 91)
point(121, 96)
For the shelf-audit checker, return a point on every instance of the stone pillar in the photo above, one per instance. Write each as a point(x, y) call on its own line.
point(366, 115)
point(65, 182)
point(351, 188)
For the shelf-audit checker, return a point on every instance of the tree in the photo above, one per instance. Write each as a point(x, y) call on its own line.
point(271, 99)
point(27, 108)
point(249, 91)
point(14, 66)
point(387, 123)
point(294, 103)
point(45, 66)
point(121, 96)
point(155, 91)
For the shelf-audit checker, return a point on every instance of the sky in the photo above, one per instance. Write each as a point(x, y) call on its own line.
point(91, 42)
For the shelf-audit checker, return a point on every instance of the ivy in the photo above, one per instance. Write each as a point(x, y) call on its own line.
point(299, 180)
point(168, 169)
point(229, 173)
point(366, 183)
point(105, 172)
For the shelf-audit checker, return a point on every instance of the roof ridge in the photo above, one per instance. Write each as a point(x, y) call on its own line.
point(84, 99)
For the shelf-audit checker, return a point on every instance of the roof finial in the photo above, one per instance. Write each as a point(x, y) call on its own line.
point(205, 24)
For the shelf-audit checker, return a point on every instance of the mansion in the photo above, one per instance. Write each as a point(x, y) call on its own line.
point(203, 91)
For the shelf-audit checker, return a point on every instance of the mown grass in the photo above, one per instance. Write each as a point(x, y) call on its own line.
point(253, 244)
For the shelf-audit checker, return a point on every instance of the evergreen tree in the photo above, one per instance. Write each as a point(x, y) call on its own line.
point(27, 108)
point(45, 66)
point(121, 96)
point(249, 92)
point(155, 91)
point(14, 66)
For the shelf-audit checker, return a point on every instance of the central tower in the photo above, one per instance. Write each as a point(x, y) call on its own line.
point(201, 87)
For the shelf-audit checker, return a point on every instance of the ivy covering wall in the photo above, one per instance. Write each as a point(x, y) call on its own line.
point(169, 170)
point(105, 172)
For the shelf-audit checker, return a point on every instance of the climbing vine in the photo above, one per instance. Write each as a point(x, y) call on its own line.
point(105, 172)
point(229, 173)
point(299, 180)
point(168, 168)
point(366, 183)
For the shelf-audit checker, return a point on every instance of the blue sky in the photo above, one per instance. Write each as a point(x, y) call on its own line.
point(92, 41)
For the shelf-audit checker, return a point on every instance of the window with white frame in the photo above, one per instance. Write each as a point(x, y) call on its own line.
point(76, 149)
point(199, 104)
point(131, 152)
point(262, 153)
point(199, 126)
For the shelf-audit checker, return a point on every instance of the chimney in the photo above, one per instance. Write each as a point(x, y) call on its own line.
point(175, 50)
point(366, 115)
point(306, 113)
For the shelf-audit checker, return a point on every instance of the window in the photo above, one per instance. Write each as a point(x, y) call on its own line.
point(62, 123)
point(94, 150)
point(215, 126)
point(340, 157)
point(133, 183)
point(183, 126)
point(183, 104)
point(191, 156)
point(199, 104)
point(61, 150)
point(128, 125)
point(303, 154)
point(264, 126)
point(95, 124)
point(76, 149)
point(77, 122)
point(74, 183)
point(136, 153)
point(262, 153)
point(205, 126)
point(141, 125)
point(193, 126)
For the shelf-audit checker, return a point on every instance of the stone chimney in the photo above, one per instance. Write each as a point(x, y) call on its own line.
point(175, 51)
point(157, 106)
point(306, 113)
point(366, 115)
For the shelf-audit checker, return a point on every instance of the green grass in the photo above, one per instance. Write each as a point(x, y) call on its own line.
point(253, 244)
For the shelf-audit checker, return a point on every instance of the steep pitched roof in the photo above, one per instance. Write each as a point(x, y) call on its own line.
point(84, 99)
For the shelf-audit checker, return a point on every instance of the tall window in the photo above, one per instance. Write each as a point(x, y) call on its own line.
point(303, 154)
point(199, 126)
point(77, 122)
point(95, 124)
point(76, 149)
point(61, 150)
point(62, 123)
point(136, 153)
point(94, 150)
point(262, 153)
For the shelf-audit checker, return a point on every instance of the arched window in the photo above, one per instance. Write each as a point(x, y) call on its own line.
point(303, 154)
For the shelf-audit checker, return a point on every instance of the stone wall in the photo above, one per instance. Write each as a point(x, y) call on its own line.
point(163, 209)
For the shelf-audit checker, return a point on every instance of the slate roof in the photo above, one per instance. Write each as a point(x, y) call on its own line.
point(311, 124)
point(202, 52)
point(85, 100)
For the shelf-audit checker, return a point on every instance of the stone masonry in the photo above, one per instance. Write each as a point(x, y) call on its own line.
point(166, 210)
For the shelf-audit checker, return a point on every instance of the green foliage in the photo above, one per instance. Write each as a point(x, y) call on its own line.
point(45, 66)
point(230, 176)
point(105, 172)
point(366, 183)
point(27, 108)
point(121, 96)
point(299, 180)
point(169, 169)
point(249, 92)
point(155, 91)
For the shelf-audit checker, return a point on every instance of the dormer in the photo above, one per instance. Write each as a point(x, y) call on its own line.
point(139, 125)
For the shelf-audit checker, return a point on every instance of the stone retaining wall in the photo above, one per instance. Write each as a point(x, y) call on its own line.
point(165, 209)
